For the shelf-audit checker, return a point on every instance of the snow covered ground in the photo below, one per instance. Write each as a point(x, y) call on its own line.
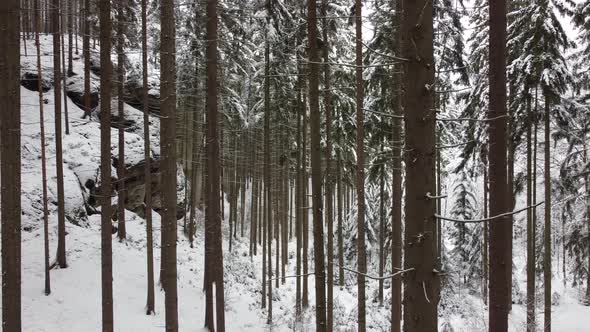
point(75, 301)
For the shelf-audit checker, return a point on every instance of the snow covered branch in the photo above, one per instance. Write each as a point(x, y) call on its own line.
point(474, 221)
point(376, 278)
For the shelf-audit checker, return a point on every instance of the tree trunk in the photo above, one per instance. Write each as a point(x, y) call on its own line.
point(500, 230)
point(298, 200)
point(421, 291)
point(150, 304)
point(587, 185)
point(168, 162)
point(37, 20)
point(105, 165)
point(63, 77)
point(360, 170)
point(381, 230)
point(267, 174)
point(61, 219)
point(530, 263)
point(316, 169)
point(86, 55)
point(70, 8)
point(547, 205)
point(121, 232)
point(329, 186)
point(485, 258)
point(339, 195)
point(10, 172)
point(305, 210)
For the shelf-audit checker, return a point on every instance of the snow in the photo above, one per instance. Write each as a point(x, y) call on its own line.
point(75, 301)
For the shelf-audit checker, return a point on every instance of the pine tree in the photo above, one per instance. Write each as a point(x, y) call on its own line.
point(168, 162)
point(150, 304)
point(37, 19)
point(61, 220)
point(316, 176)
point(105, 165)
point(86, 55)
point(500, 258)
point(121, 232)
point(10, 171)
point(421, 289)
point(360, 170)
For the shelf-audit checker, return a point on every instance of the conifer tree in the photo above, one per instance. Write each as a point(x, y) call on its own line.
point(10, 166)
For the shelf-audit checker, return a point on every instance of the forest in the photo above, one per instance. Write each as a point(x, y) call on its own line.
point(291, 165)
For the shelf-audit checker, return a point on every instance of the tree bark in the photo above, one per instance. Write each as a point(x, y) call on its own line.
point(316, 169)
point(299, 200)
point(339, 195)
point(121, 232)
point(485, 258)
point(86, 55)
point(70, 13)
point(63, 77)
point(500, 230)
point(530, 263)
point(37, 23)
point(213, 229)
point(360, 170)
point(105, 165)
point(421, 292)
point(381, 230)
point(61, 219)
point(329, 186)
point(150, 304)
point(547, 205)
point(10, 172)
point(168, 162)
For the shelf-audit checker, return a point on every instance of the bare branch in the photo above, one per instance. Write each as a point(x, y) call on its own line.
point(377, 278)
point(430, 196)
point(490, 218)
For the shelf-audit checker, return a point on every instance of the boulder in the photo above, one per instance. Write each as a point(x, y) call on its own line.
point(75, 90)
point(30, 81)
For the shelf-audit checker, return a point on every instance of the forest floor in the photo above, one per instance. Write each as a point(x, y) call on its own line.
point(75, 301)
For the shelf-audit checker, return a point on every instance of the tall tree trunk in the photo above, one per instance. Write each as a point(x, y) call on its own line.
point(267, 161)
point(381, 230)
point(500, 230)
point(305, 210)
point(61, 219)
point(70, 14)
point(105, 165)
point(530, 243)
point(485, 258)
point(360, 170)
point(121, 232)
point(150, 304)
point(339, 195)
point(587, 185)
point(86, 55)
point(253, 199)
point(329, 176)
point(10, 172)
point(213, 161)
point(547, 233)
point(168, 162)
point(298, 201)
point(37, 19)
point(421, 291)
point(63, 76)
point(316, 168)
